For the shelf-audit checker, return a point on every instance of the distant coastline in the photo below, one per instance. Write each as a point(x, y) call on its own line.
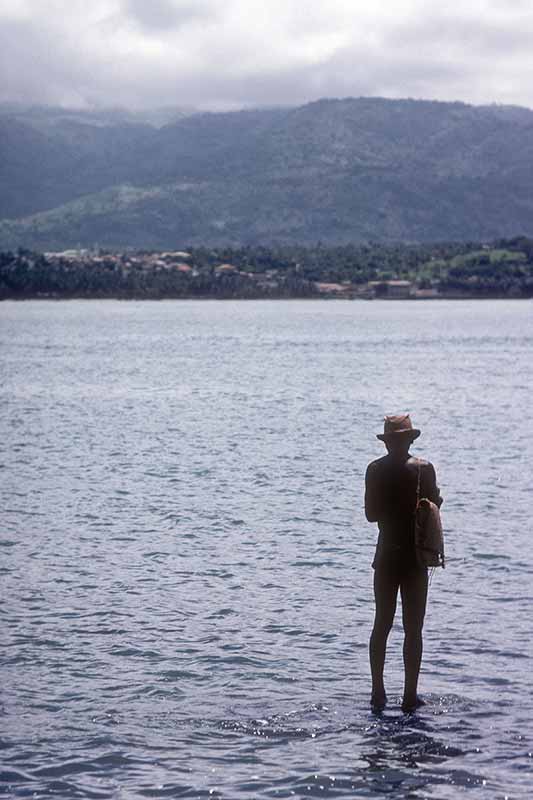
point(501, 269)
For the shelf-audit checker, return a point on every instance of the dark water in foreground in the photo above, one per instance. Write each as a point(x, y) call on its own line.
point(185, 563)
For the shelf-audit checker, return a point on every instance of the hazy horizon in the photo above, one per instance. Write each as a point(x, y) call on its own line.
point(116, 107)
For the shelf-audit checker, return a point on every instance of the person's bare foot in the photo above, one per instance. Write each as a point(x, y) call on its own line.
point(411, 704)
point(378, 702)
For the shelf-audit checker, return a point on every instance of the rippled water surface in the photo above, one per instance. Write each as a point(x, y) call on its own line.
point(185, 563)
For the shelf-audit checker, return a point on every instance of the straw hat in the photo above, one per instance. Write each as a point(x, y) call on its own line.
point(398, 425)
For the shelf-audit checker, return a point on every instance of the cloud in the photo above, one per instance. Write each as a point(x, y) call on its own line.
point(233, 53)
point(160, 16)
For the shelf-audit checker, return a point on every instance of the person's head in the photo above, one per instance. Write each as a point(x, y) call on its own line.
point(398, 434)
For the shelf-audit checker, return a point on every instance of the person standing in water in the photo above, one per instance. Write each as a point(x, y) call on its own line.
point(390, 500)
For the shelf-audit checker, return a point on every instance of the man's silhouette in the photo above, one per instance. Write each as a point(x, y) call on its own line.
point(390, 500)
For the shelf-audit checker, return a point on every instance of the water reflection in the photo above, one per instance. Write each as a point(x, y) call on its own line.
point(390, 753)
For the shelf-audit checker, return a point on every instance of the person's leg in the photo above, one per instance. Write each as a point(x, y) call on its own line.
point(413, 588)
point(385, 593)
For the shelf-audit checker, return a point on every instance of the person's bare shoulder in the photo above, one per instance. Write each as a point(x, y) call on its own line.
point(423, 464)
point(374, 466)
point(417, 461)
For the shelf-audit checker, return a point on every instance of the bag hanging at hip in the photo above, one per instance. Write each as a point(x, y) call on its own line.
point(429, 541)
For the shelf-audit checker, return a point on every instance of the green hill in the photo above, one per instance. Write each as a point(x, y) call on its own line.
point(339, 171)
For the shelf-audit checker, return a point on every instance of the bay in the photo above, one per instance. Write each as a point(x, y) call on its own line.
point(186, 581)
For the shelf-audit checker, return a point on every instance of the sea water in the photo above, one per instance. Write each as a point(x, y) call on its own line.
point(185, 562)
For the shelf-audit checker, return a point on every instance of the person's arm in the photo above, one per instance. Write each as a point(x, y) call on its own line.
point(432, 490)
point(371, 494)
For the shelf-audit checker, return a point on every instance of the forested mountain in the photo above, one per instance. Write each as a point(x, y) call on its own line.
point(338, 171)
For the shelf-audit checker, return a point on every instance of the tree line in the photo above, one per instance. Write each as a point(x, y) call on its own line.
point(503, 268)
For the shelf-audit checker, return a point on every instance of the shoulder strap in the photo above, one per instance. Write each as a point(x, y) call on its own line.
point(418, 483)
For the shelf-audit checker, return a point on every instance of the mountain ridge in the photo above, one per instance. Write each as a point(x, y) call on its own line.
point(338, 170)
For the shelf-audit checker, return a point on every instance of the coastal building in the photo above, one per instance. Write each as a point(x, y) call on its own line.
point(392, 290)
point(425, 294)
point(333, 289)
point(69, 255)
point(399, 289)
point(176, 254)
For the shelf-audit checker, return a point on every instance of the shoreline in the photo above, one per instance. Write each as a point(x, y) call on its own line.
point(203, 298)
point(503, 270)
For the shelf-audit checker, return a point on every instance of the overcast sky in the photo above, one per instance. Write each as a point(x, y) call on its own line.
point(234, 53)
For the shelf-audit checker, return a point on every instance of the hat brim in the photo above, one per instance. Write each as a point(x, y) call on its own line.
point(412, 434)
